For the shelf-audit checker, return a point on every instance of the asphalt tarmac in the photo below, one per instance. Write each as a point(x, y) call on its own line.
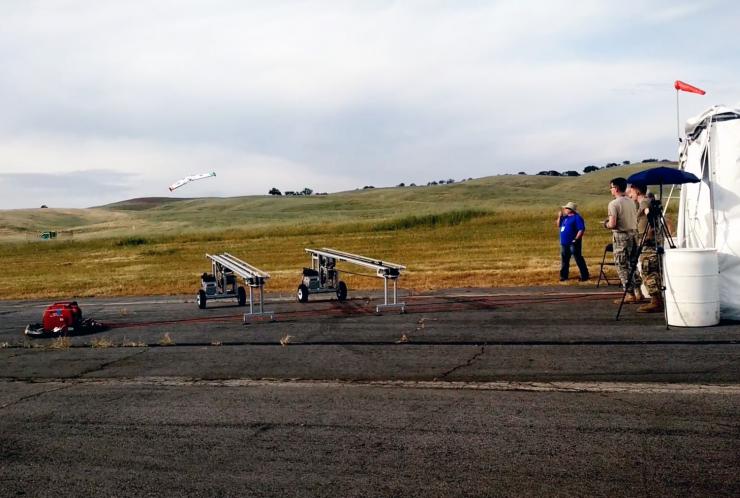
point(471, 392)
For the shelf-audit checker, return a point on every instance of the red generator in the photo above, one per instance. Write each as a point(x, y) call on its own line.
point(62, 317)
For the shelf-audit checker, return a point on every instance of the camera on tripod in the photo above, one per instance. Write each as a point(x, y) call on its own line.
point(657, 226)
point(655, 214)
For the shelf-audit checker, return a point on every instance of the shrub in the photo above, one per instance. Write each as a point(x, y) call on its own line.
point(132, 242)
point(449, 218)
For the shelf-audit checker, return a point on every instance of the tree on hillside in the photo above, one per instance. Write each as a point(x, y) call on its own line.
point(625, 162)
point(651, 160)
point(611, 165)
point(274, 191)
point(401, 185)
point(307, 191)
point(522, 173)
point(590, 168)
point(571, 173)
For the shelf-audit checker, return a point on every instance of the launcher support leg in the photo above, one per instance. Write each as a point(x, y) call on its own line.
point(395, 303)
point(261, 311)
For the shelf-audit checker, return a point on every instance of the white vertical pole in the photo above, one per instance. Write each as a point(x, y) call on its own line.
point(678, 137)
point(678, 120)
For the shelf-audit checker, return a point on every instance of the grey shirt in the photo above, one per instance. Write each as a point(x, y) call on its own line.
point(625, 212)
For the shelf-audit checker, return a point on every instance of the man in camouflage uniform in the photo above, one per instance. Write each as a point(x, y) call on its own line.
point(622, 221)
point(648, 261)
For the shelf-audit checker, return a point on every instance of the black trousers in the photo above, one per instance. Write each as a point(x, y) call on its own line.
point(566, 251)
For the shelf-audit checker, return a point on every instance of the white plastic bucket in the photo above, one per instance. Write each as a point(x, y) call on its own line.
point(692, 287)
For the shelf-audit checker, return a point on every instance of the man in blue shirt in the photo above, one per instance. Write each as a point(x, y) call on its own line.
point(571, 227)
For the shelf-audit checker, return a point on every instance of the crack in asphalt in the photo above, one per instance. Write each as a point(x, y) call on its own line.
point(413, 342)
point(105, 365)
point(35, 395)
point(260, 427)
point(467, 363)
point(570, 387)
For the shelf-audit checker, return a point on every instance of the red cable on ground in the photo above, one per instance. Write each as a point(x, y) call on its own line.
point(349, 308)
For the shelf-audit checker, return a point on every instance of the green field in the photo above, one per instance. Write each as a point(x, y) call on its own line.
point(493, 231)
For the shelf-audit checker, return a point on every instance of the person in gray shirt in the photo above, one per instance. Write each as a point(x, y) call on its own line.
point(622, 221)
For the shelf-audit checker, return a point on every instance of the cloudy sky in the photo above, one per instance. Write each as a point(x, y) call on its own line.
point(103, 100)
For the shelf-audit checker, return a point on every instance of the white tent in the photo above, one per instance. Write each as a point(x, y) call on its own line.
point(709, 211)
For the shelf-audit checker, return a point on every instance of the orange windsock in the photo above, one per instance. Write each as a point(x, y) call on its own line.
point(680, 85)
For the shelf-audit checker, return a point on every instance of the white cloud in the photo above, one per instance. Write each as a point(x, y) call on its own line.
point(336, 95)
point(119, 169)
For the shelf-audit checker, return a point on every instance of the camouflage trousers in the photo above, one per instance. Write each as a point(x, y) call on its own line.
point(650, 268)
point(625, 260)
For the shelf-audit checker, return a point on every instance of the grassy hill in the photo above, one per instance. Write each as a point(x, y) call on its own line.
point(165, 215)
point(490, 231)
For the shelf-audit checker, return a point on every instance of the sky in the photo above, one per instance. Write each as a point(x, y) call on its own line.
point(103, 100)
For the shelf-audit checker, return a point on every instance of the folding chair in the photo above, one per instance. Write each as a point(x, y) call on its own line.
point(609, 248)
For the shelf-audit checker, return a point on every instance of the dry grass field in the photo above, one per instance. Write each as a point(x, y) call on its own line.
point(495, 231)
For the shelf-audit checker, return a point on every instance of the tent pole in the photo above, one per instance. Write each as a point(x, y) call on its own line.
point(678, 120)
point(678, 137)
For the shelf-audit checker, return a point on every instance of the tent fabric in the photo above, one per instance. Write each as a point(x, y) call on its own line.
point(695, 124)
point(709, 212)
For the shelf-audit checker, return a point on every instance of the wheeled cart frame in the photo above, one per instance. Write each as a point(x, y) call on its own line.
point(323, 276)
point(222, 284)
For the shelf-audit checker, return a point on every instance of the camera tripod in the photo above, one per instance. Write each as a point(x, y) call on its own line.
point(661, 233)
